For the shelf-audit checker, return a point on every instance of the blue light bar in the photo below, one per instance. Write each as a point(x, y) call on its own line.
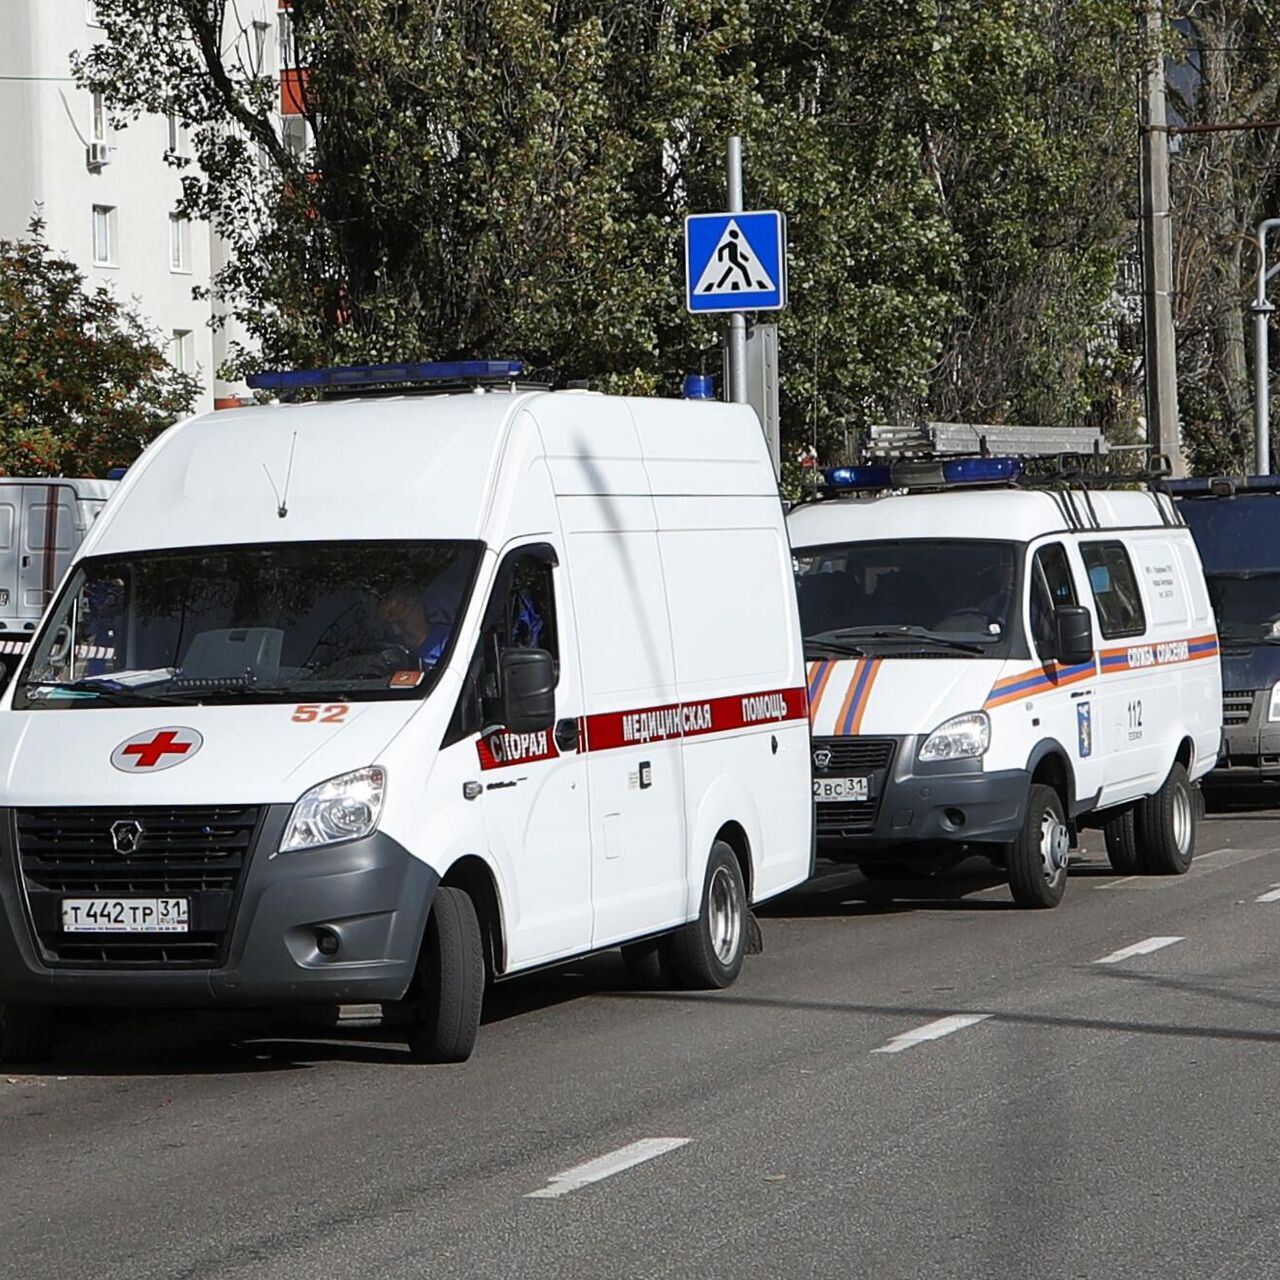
point(912, 473)
point(355, 375)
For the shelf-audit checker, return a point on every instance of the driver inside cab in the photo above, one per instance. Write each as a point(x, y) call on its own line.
point(410, 621)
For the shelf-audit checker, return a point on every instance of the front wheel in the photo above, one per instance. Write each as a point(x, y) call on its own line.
point(448, 989)
point(707, 953)
point(1037, 858)
point(1167, 825)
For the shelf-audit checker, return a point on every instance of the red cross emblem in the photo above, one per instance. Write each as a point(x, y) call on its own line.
point(160, 749)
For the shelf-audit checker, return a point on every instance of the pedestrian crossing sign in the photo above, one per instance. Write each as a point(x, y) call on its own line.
point(735, 261)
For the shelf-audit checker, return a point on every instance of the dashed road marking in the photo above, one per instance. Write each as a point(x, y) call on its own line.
point(932, 1031)
point(606, 1166)
point(1145, 947)
point(1271, 895)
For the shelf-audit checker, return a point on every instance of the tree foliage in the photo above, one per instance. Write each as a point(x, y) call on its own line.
point(83, 385)
point(493, 177)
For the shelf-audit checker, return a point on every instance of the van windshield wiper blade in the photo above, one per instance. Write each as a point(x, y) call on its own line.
point(119, 694)
point(907, 633)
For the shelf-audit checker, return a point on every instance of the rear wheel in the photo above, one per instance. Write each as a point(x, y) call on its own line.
point(1037, 858)
point(1166, 825)
point(1121, 834)
point(26, 1033)
point(707, 953)
point(448, 989)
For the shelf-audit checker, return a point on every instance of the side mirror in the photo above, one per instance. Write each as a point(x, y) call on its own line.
point(528, 690)
point(1073, 629)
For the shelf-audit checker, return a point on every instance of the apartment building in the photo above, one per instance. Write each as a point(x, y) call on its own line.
point(107, 195)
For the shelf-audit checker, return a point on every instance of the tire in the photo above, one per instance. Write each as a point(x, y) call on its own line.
point(26, 1033)
point(1166, 825)
point(707, 953)
point(448, 989)
point(648, 964)
point(1121, 834)
point(1038, 857)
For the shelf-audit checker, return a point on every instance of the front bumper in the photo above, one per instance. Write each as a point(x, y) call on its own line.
point(1250, 741)
point(914, 805)
point(372, 893)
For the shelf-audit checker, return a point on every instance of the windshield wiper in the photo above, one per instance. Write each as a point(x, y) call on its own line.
point(906, 633)
point(118, 694)
point(829, 641)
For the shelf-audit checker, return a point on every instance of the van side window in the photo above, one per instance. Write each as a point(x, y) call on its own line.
point(1051, 586)
point(1114, 589)
point(521, 615)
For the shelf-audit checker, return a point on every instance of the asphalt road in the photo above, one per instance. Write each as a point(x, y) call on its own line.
point(1070, 1118)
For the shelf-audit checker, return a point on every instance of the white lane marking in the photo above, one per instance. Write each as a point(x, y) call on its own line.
point(1115, 884)
point(1272, 895)
point(1145, 947)
point(606, 1166)
point(932, 1031)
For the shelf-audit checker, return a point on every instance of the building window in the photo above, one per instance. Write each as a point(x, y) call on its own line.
point(179, 243)
point(97, 119)
point(177, 139)
point(293, 133)
point(286, 52)
point(104, 235)
point(182, 351)
point(260, 30)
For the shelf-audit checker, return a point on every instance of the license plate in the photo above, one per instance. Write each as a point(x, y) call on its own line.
point(841, 788)
point(126, 915)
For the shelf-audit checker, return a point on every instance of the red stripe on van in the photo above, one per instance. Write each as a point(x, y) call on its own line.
point(664, 723)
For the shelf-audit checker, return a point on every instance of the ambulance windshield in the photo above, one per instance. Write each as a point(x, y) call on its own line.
point(929, 596)
point(278, 622)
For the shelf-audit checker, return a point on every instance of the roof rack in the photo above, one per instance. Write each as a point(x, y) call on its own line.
point(424, 377)
point(1223, 486)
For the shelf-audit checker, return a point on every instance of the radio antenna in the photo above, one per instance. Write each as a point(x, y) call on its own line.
point(282, 499)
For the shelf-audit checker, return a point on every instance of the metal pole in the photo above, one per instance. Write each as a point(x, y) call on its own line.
point(736, 391)
point(1157, 251)
point(1262, 310)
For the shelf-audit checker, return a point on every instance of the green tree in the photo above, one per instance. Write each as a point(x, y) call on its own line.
point(83, 385)
point(510, 176)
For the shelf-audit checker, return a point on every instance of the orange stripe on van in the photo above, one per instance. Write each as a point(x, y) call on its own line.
point(816, 701)
point(843, 713)
point(866, 695)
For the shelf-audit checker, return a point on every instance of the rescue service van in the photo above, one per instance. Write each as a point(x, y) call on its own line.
point(993, 668)
point(376, 698)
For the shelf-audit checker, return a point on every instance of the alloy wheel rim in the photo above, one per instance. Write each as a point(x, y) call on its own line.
point(1054, 846)
point(1181, 819)
point(724, 917)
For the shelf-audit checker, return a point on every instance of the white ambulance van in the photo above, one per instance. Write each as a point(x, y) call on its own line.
point(992, 668)
point(374, 698)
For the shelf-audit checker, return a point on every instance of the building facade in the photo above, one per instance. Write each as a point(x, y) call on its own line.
point(108, 196)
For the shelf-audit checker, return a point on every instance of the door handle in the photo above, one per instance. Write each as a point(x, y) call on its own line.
point(566, 734)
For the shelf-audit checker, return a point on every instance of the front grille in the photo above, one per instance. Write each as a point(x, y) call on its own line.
point(197, 853)
point(1237, 707)
point(853, 756)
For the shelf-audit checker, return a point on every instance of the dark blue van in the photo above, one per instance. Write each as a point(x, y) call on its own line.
point(1236, 525)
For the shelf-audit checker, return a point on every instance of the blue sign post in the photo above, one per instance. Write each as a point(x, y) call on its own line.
point(735, 262)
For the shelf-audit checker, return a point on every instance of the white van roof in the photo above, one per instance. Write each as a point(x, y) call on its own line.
point(413, 466)
point(1017, 515)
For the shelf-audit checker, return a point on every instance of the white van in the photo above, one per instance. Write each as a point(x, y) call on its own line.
point(42, 522)
point(368, 699)
point(993, 668)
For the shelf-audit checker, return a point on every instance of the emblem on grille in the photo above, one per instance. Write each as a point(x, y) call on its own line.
point(821, 758)
point(126, 836)
point(159, 749)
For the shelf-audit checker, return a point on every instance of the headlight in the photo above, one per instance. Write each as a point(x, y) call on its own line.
point(344, 808)
point(961, 736)
point(1273, 711)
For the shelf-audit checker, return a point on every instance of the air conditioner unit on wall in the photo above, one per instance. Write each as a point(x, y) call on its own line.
point(99, 153)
